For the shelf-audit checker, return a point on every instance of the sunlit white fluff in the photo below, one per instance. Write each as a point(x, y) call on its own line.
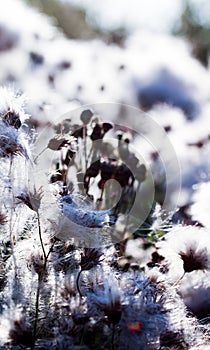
point(185, 249)
point(201, 207)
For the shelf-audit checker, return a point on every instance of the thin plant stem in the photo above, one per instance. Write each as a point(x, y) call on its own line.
point(40, 236)
point(85, 146)
point(40, 279)
point(113, 334)
point(90, 153)
point(40, 153)
point(37, 306)
point(77, 283)
point(179, 280)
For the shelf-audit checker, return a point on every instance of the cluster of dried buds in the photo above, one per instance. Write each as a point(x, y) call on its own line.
point(99, 161)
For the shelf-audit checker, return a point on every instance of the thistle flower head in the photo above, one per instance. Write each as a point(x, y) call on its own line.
point(10, 142)
point(12, 107)
point(12, 115)
point(90, 258)
point(32, 199)
point(188, 247)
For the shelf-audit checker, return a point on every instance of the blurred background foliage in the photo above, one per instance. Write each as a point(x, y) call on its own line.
point(84, 19)
point(74, 22)
point(196, 31)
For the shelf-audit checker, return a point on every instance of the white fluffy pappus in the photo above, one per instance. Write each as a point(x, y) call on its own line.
point(201, 207)
point(185, 249)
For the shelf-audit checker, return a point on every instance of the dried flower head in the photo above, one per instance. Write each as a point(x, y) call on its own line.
point(11, 118)
point(12, 140)
point(60, 141)
point(10, 145)
point(188, 247)
point(90, 258)
point(36, 262)
point(86, 116)
point(32, 200)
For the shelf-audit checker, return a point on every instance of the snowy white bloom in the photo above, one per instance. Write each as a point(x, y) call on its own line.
point(195, 291)
point(201, 207)
point(185, 249)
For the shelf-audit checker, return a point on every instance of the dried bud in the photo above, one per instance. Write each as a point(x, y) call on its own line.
point(113, 312)
point(86, 116)
point(32, 200)
point(36, 58)
point(37, 262)
point(97, 133)
point(57, 142)
point(65, 65)
point(107, 127)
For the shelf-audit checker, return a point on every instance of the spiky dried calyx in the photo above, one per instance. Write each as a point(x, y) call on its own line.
point(32, 200)
point(90, 258)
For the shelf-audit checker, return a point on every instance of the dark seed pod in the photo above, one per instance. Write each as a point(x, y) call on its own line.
point(51, 79)
point(86, 116)
point(90, 258)
point(36, 58)
point(119, 135)
point(64, 65)
point(97, 133)
point(121, 67)
point(102, 87)
point(114, 315)
point(167, 128)
point(107, 127)
point(78, 132)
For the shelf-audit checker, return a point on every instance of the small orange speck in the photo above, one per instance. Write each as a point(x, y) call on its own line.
point(134, 326)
